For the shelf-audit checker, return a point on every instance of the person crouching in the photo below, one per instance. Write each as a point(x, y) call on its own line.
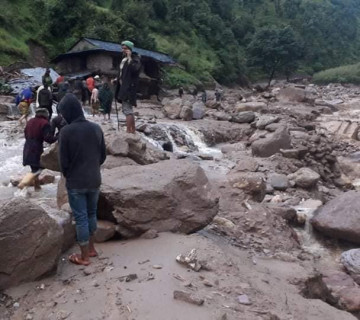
point(37, 131)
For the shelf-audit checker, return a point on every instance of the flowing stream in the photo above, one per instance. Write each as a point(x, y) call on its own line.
point(185, 141)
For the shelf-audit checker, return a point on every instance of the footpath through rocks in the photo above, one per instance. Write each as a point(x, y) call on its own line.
point(240, 184)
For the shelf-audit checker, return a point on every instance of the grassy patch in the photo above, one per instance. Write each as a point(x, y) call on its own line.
point(191, 53)
point(343, 74)
point(176, 77)
point(17, 27)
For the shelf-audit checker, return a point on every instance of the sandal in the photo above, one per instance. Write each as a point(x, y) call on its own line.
point(76, 259)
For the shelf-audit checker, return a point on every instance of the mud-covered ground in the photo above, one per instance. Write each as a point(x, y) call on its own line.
point(255, 260)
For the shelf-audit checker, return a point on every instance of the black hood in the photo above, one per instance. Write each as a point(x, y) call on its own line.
point(70, 108)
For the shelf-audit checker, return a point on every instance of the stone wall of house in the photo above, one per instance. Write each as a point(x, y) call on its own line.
point(99, 62)
point(71, 65)
point(82, 45)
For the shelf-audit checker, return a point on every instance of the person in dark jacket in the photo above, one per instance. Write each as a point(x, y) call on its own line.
point(127, 82)
point(57, 123)
point(78, 89)
point(46, 78)
point(45, 100)
point(105, 97)
point(64, 88)
point(36, 132)
point(81, 152)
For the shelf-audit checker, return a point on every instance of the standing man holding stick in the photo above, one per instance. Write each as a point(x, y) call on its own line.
point(127, 82)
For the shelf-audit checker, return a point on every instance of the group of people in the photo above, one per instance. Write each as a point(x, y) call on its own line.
point(81, 147)
point(218, 94)
point(101, 96)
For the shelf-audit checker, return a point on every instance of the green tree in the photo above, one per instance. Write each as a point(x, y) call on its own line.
point(275, 50)
point(160, 9)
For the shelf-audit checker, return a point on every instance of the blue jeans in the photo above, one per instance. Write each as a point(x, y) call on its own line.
point(83, 203)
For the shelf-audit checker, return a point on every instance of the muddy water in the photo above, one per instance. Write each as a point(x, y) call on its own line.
point(11, 149)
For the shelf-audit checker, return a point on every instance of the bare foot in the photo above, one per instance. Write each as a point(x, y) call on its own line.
point(93, 254)
point(77, 259)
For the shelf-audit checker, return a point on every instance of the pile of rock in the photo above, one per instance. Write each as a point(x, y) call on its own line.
point(186, 108)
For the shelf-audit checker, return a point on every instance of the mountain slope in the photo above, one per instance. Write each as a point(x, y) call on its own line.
point(208, 37)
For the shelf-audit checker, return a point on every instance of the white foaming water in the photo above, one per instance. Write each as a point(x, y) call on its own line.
point(192, 137)
point(198, 139)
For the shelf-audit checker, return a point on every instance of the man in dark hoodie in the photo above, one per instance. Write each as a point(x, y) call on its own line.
point(81, 152)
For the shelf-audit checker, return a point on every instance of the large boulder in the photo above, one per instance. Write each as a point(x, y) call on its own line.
point(350, 166)
point(272, 143)
point(49, 158)
point(186, 113)
point(305, 178)
point(105, 231)
point(198, 110)
point(351, 261)
point(114, 162)
point(339, 218)
point(266, 120)
point(138, 150)
point(245, 164)
point(250, 106)
point(243, 117)
point(251, 183)
point(61, 193)
point(292, 94)
point(278, 181)
point(213, 104)
point(4, 108)
point(30, 242)
point(173, 195)
point(221, 116)
point(118, 146)
point(216, 132)
point(65, 221)
point(173, 108)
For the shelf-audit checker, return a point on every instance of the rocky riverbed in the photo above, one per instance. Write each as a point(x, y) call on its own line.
point(252, 175)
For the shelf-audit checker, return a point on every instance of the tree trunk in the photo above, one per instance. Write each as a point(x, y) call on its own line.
point(271, 77)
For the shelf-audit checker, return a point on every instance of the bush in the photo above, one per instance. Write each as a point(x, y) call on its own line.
point(343, 74)
point(175, 77)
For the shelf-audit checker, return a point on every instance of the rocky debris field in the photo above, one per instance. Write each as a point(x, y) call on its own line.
point(256, 172)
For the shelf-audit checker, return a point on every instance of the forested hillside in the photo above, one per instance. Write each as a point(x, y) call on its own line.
point(221, 39)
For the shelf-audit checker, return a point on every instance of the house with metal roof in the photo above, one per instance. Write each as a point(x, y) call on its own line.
point(92, 56)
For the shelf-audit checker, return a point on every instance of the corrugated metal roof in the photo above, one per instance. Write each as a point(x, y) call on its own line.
point(33, 78)
point(116, 47)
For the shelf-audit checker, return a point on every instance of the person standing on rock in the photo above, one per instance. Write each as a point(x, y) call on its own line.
point(36, 132)
point(204, 97)
point(45, 100)
point(90, 85)
point(81, 153)
point(105, 97)
point(127, 82)
point(46, 78)
point(23, 101)
point(94, 101)
point(64, 88)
